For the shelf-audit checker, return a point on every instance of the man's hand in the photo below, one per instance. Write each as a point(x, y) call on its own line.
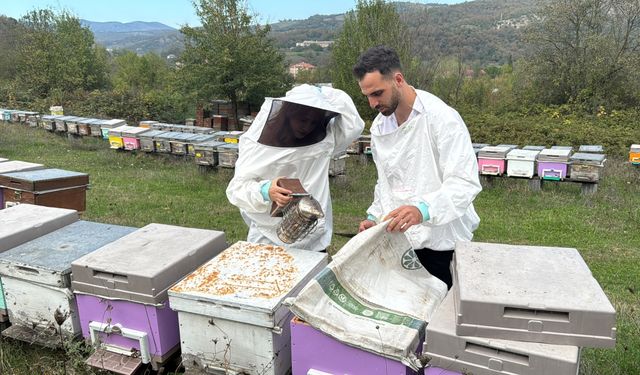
point(403, 217)
point(279, 194)
point(366, 224)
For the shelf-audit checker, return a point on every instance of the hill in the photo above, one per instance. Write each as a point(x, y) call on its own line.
point(482, 32)
point(140, 37)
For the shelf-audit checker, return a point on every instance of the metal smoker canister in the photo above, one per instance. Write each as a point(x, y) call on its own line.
point(299, 219)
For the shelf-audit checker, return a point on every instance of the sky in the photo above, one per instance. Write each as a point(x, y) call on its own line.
point(176, 13)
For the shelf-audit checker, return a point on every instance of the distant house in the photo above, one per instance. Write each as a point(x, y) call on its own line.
point(296, 68)
point(321, 43)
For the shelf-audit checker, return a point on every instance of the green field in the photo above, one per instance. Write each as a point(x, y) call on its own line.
point(136, 189)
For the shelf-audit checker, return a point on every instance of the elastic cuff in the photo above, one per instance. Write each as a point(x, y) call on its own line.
point(264, 190)
point(372, 218)
point(424, 210)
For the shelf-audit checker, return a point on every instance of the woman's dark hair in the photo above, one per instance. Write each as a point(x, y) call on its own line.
point(380, 58)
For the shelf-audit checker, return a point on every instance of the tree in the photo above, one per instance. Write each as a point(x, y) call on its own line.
point(586, 51)
point(372, 23)
point(57, 55)
point(140, 73)
point(230, 58)
point(9, 35)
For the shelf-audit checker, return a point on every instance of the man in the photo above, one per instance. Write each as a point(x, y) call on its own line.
point(295, 137)
point(427, 169)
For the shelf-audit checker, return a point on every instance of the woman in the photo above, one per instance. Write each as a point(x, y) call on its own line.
point(295, 137)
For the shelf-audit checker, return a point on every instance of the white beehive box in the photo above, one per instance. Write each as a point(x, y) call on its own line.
point(230, 309)
point(37, 280)
point(25, 222)
point(530, 293)
point(521, 163)
point(484, 356)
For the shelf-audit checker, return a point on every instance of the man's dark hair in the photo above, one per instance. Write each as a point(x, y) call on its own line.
point(380, 58)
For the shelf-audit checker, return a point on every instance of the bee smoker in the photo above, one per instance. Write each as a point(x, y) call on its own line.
point(300, 217)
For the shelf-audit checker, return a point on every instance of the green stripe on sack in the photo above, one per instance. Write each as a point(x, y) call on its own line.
point(339, 295)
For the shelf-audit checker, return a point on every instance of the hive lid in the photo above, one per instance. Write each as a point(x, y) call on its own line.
point(166, 136)
point(554, 154)
point(228, 147)
point(212, 144)
point(496, 152)
point(249, 276)
point(569, 148)
point(480, 145)
point(142, 265)
point(17, 166)
point(591, 148)
point(41, 175)
point(113, 123)
point(50, 117)
point(587, 158)
point(76, 119)
point(25, 222)
point(480, 355)
point(533, 148)
point(43, 258)
point(635, 148)
point(152, 133)
point(511, 147)
point(134, 131)
point(526, 155)
point(530, 293)
point(118, 130)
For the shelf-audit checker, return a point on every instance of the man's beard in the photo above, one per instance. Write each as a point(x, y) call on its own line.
point(393, 103)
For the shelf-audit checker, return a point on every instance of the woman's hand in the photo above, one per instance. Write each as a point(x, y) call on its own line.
point(279, 194)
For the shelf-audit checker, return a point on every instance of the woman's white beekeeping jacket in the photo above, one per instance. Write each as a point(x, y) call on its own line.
point(428, 159)
point(258, 163)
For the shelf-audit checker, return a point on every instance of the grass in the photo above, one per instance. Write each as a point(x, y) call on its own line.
point(136, 189)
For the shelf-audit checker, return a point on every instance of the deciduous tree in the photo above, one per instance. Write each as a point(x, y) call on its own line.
point(58, 55)
point(372, 23)
point(586, 51)
point(230, 57)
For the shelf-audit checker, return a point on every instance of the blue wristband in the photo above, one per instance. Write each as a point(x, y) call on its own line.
point(424, 210)
point(372, 218)
point(264, 190)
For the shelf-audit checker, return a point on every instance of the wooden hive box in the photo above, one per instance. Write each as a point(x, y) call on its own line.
point(46, 187)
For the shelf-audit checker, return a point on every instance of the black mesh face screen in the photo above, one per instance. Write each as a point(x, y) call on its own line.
point(295, 125)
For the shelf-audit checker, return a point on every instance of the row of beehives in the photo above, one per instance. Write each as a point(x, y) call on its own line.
point(24, 182)
point(208, 147)
point(140, 295)
point(556, 163)
point(26, 117)
point(116, 287)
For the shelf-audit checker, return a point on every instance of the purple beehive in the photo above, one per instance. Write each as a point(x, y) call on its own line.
point(553, 164)
point(312, 351)
point(121, 290)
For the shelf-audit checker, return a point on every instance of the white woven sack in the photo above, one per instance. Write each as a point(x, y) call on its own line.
point(374, 295)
